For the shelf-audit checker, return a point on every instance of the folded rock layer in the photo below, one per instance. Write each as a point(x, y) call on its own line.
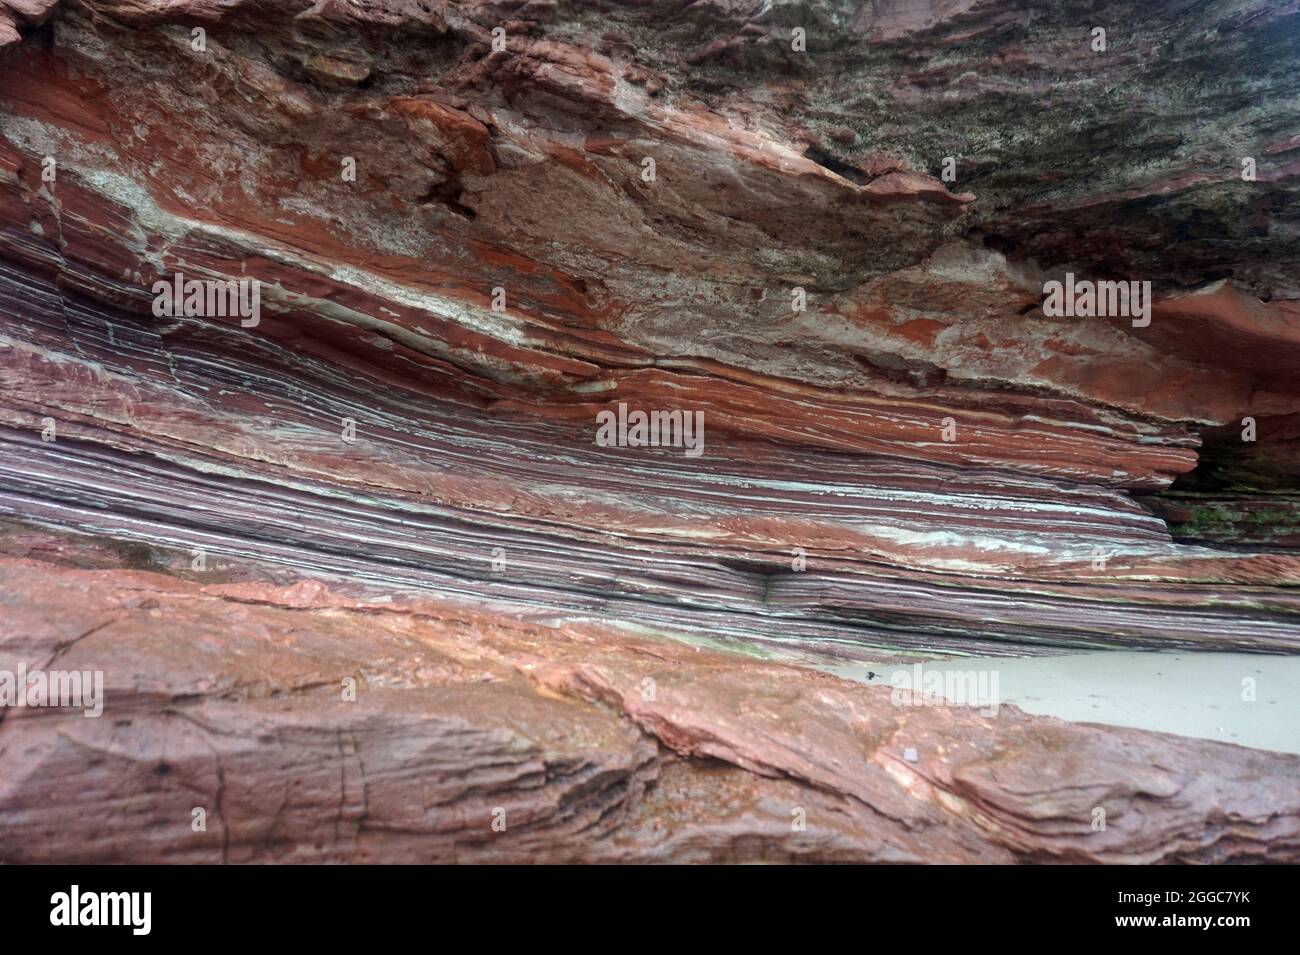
point(826, 229)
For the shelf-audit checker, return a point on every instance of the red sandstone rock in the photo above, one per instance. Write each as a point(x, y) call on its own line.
point(959, 471)
point(595, 744)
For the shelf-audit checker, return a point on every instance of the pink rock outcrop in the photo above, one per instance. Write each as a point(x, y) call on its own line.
point(474, 227)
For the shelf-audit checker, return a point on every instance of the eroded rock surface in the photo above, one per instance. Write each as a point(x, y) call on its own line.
point(392, 477)
point(590, 742)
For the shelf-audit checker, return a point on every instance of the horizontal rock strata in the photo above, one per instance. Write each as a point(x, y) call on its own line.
point(590, 743)
point(477, 226)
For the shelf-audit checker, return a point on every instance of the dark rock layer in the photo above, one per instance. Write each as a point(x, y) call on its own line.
point(923, 460)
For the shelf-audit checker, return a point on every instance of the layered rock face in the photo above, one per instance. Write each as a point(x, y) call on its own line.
point(367, 582)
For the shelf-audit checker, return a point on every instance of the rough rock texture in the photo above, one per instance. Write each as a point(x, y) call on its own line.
point(597, 744)
point(960, 472)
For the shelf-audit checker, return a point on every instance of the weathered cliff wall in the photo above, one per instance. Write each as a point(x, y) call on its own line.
point(826, 226)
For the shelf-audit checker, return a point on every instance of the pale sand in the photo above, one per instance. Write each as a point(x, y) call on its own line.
point(1190, 694)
